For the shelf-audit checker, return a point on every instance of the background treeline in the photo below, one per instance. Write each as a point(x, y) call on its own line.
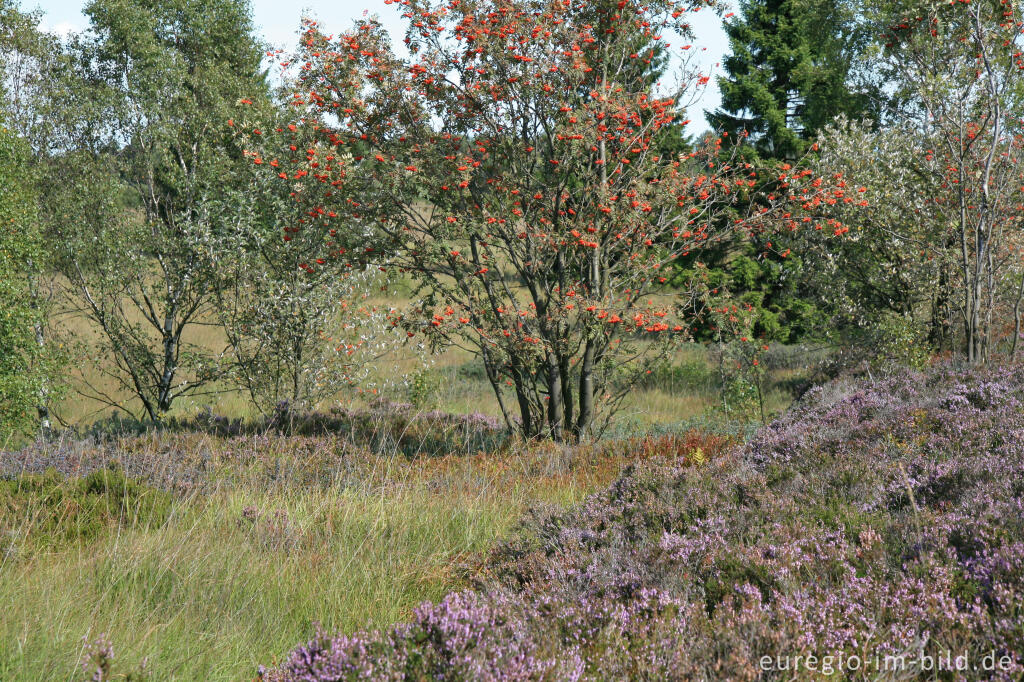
point(141, 253)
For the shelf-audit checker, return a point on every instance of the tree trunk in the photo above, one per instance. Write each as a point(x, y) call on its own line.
point(555, 399)
point(586, 414)
point(43, 408)
point(568, 404)
point(494, 378)
point(1017, 319)
point(170, 343)
point(938, 328)
point(522, 397)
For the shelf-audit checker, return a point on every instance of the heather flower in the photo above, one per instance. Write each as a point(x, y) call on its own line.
point(98, 657)
point(876, 517)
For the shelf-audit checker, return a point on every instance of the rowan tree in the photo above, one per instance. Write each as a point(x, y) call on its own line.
point(509, 168)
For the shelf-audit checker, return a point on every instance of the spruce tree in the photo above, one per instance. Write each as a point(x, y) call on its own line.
point(794, 66)
point(792, 70)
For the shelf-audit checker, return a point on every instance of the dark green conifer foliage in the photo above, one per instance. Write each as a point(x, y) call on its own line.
point(793, 68)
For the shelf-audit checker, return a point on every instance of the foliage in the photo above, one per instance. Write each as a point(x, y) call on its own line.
point(741, 374)
point(523, 173)
point(690, 375)
point(27, 366)
point(424, 385)
point(793, 67)
point(899, 340)
point(30, 63)
point(895, 261)
point(955, 68)
point(29, 68)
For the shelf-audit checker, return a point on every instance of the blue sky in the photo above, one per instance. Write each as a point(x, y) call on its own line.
point(278, 21)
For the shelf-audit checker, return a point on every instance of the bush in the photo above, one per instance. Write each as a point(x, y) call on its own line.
point(290, 447)
point(424, 387)
point(900, 340)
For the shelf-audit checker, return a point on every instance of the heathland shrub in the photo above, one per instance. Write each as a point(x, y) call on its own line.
point(876, 518)
point(424, 387)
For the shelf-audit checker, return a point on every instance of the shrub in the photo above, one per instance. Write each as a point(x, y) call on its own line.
point(424, 387)
point(900, 340)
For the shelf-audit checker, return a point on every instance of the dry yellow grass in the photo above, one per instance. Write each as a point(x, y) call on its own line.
point(454, 393)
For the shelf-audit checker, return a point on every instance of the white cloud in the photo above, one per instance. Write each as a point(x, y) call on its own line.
point(61, 28)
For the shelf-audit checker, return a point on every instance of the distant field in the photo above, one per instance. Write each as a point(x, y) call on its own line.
point(455, 377)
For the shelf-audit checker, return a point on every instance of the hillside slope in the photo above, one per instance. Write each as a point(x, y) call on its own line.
point(876, 530)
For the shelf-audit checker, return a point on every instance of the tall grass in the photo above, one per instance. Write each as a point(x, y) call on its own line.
point(209, 592)
point(236, 574)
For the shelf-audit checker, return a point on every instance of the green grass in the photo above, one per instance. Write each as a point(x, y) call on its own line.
point(235, 577)
point(207, 595)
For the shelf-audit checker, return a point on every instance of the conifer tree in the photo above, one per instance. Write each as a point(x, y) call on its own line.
point(792, 70)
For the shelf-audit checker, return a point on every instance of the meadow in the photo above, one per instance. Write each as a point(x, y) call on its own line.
point(877, 516)
point(214, 544)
